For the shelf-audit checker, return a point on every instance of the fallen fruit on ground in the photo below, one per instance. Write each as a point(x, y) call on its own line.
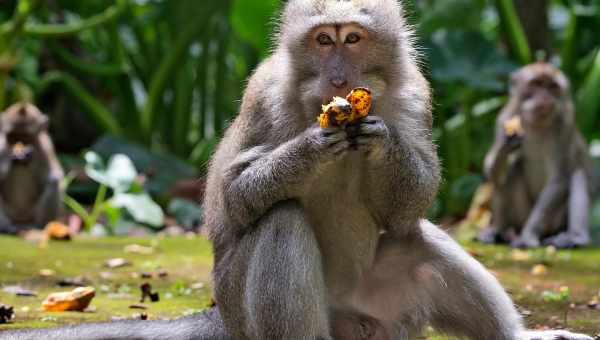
point(76, 300)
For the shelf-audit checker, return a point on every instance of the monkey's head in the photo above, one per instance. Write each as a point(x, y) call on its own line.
point(22, 123)
point(337, 45)
point(542, 91)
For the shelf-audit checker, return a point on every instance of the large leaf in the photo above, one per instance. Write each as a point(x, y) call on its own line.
point(119, 175)
point(162, 171)
point(187, 213)
point(141, 207)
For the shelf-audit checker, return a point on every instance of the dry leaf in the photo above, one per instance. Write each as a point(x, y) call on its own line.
point(57, 231)
point(75, 300)
point(539, 269)
point(6, 313)
point(138, 249)
point(117, 263)
point(520, 255)
point(47, 272)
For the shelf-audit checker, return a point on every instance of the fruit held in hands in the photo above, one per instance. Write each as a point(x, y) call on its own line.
point(341, 112)
point(513, 127)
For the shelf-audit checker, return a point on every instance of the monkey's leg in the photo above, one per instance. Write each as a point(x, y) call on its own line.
point(578, 232)
point(203, 326)
point(426, 277)
point(549, 201)
point(270, 285)
point(48, 205)
point(510, 207)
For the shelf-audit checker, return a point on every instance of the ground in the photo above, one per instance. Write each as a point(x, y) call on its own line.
point(187, 260)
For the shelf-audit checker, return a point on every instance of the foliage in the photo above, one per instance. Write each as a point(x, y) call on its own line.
point(168, 75)
point(128, 202)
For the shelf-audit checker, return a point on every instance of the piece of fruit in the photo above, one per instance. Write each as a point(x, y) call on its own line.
point(360, 98)
point(340, 111)
point(75, 300)
point(336, 113)
point(20, 151)
point(513, 127)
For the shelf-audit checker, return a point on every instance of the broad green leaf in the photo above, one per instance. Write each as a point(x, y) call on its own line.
point(141, 207)
point(187, 213)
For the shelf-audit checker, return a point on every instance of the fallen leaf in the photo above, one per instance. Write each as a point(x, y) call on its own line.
point(138, 249)
point(77, 281)
point(147, 292)
point(117, 263)
point(163, 273)
point(138, 306)
point(47, 272)
point(6, 313)
point(75, 300)
point(539, 269)
point(18, 291)
point(57, 231)
point(520, 255)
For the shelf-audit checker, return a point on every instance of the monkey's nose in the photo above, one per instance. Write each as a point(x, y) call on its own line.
point(339, 82)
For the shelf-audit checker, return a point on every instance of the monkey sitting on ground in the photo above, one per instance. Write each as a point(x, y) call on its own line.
point(318, 234)
point(30, 173)
point(543, 176)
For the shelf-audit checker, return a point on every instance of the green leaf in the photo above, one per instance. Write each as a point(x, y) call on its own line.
point(141, 207)
point(254, 28)
point(516, 37)
point(119, 175)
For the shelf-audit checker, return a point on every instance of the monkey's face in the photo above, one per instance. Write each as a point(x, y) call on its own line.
point(541, 89)
point(339, 60)
point(22, 123)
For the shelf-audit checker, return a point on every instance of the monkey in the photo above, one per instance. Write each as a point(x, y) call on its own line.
point(544, 177)
point(320, 235)
point(30, 172)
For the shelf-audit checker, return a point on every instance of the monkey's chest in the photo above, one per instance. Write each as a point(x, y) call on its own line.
point(20, 193)
point(539, 166)
point(344, 226)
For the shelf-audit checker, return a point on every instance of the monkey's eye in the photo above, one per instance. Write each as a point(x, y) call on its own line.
point(352, 38)
point(324, 39)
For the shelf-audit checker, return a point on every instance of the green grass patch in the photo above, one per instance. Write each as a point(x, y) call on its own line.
point(188, 261)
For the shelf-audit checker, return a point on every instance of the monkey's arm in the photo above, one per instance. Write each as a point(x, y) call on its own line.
point(258, 177)
point(5, 161)
point(578, 229)
point(496, 160)
point(553, 194)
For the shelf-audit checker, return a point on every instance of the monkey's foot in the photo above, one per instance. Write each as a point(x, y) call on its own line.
point(525, 242)
point(553, 335)
point(567, 240)
point(489, 236)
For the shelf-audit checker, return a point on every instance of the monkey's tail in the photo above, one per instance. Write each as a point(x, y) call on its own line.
point(207, 325)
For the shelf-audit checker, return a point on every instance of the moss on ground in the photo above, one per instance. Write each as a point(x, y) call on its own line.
point(188, 262)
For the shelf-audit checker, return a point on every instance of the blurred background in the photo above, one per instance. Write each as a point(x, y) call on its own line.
point(159, 80)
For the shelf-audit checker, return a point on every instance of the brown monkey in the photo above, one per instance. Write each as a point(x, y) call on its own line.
point(317, 239)
point(29, 170)
point(543, 177)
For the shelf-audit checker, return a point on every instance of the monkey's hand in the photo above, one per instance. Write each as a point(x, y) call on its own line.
point(513, 142)
point(329, 141)
point(370, 133)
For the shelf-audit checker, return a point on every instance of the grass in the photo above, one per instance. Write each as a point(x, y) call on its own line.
point(188, 261)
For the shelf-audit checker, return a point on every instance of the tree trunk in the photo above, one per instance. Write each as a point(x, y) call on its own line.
point(534, 18)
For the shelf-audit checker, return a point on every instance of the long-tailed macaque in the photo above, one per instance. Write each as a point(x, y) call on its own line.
point(319, 235)
point(543, 176)
point(30, 173)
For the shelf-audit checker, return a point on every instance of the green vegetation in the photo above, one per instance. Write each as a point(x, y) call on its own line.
point(115, 291)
